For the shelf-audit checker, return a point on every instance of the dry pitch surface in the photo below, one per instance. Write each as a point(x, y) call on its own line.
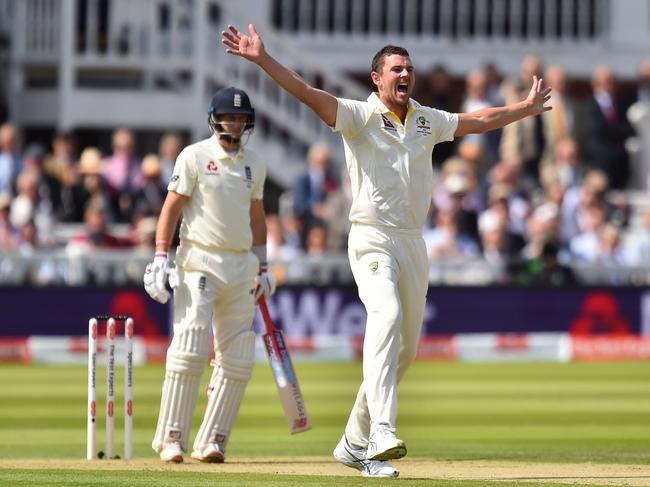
point(588, 473)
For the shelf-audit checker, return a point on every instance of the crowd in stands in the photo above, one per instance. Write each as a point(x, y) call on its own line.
point(534, 196)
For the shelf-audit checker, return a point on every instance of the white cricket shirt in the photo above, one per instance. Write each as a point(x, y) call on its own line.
point(221, 188)
point(389, 163)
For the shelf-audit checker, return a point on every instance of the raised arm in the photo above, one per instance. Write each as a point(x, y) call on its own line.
point(251, 47)
point(493, 118)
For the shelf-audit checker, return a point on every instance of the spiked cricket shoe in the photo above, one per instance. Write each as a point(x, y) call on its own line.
point(384, 445)
point(356, 458)
point(210, 453)
point(172, 452)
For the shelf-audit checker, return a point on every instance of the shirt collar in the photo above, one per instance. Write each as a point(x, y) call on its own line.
point(374, 101)
point(222, 154)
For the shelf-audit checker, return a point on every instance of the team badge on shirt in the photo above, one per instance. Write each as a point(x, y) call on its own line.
point(374, 265)
point(387, 124)
point(212, 169)
point(423, 126)
point(248, 176)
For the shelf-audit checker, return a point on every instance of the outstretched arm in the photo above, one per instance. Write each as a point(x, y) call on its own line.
point(493, 118)
point(251, 47)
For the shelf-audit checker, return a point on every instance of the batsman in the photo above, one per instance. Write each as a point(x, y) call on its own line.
point(388, 141)
point(220, 272)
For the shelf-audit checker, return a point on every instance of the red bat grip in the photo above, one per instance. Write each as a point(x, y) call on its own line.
point(270, 327)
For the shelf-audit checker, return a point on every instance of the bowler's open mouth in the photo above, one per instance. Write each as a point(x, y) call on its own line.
point(403, 88)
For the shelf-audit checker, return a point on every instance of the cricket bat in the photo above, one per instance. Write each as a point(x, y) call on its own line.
point(285, 377)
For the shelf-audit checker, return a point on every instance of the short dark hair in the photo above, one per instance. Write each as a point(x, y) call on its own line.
point(388, 50)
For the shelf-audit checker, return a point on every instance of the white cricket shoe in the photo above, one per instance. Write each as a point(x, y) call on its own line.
point(172, 452)
point(210, 453)
point(384, 445)
point(356, 458)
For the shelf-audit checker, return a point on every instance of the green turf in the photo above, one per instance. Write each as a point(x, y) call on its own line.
point(45, 478)
point(577, 412)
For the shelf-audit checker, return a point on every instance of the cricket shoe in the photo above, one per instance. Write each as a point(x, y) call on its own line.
point(356, 458)
point(384, 445)
point(210, 453)
point(172, 452)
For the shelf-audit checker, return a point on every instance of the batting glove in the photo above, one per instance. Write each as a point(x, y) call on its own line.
point(155, 277)
point(265, 283)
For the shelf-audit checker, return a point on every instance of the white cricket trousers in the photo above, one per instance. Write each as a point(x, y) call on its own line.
point(391, 269)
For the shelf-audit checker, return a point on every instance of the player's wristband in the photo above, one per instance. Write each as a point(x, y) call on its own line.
point(260, 253)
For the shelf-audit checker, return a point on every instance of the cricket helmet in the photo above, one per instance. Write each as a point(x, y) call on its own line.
point(228, 101)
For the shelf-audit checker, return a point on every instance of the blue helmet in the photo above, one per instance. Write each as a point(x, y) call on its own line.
point(230, 100)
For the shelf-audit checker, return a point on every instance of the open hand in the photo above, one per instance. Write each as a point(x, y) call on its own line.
point(538, 97)
point(247, 46)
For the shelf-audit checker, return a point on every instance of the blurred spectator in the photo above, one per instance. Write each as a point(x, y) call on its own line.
point(27, 241)
point(10, 162)
point(7, 232)
point(49, 187)
point(578, 200)
point(61, 163)
point(525, 138)
point(458, 186)
point(91, 188)
point(149, 199)
point(95, 234)
point(638, 115)
point(542, 226)
point(507, 175)
point(438, 92)
point(312, 189)
point(636, 243)
point(559, 123)
point(122, 171)
point(499, 204)
point(565, 166)
point(28, 205)
point(494, 81)
point(610, 248)
point(316, 241)
point(337, 209)
point(276, 247)
point(643, 89)
point(445, 240)
point(122, 168)
point(143, 235)
point(169, 148)
point(545, 270)
point(585, 246)
point(461, 204)
point(496, 242)
point(292, 231)
point(477, 98)
point(606, 129)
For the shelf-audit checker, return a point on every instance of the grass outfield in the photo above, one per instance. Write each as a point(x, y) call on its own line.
point(450, 414)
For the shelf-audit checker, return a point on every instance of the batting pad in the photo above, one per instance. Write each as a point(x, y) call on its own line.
point(232, 371)
point(180, 391)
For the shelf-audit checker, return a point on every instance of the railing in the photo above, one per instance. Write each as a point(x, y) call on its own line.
point(126, 267)
point(514, 19)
